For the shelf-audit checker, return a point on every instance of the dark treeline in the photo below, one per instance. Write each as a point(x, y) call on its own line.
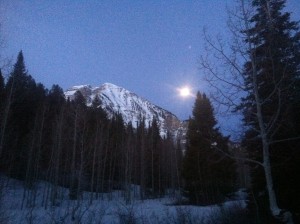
point(43, 136)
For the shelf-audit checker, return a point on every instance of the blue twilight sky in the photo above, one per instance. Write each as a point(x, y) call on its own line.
point(149, 47)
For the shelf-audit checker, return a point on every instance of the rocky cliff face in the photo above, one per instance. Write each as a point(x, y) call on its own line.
point(133, 108)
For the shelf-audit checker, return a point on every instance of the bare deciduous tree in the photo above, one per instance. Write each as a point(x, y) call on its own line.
point(223, 66)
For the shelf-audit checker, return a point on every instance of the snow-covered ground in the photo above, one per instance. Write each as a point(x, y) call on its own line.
point(111, 208)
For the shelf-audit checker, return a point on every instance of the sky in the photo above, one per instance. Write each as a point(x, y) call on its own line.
point(149, 47)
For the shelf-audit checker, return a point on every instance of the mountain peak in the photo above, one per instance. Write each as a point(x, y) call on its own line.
point(110, 85)
point(133, 108)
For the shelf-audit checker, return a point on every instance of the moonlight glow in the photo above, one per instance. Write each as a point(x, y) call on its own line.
point(185, 92)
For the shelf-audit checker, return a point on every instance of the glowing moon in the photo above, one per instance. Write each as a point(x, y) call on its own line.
point(184, 92)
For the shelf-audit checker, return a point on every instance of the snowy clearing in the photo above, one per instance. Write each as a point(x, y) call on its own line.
point(19, 206)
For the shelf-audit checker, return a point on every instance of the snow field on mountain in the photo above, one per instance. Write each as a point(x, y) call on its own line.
point(132, 107)
point(110, 208)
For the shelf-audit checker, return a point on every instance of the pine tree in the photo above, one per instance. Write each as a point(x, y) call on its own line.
point(203, 166)
point(2, 97)
point(23, 97)
point(2, 85)
point(153, 165)
point(272, 80)
point(141, 157)
point(78, 115)
point(96, 107)
point(2, 112)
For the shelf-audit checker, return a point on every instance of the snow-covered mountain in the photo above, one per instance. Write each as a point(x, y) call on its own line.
point(132, 107)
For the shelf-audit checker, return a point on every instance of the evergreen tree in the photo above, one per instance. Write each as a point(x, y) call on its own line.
point(78, 117)
point(96, 106)
point(56, 96)
point(55, 145)
point(141, 157)
point(2, 112)
point(23, 98)
point(153, 155)
point(170, 162)
point(2, 97)
point(2, 85)
point(272, 80)
point(203, 166)
point(117, 141)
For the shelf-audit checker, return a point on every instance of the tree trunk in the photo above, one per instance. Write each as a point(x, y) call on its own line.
point(265, 142)
point(5, 117)
point(73, 182)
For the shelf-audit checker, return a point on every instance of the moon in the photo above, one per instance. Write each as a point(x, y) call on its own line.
point(185, 91)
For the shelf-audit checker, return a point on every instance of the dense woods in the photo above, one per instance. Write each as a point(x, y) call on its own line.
point(67, 143)
point(47, 137)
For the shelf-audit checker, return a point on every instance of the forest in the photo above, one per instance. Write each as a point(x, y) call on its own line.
point(46, 137)
point(67, 143)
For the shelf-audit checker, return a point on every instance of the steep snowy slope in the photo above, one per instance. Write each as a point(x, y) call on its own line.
point(132, 107)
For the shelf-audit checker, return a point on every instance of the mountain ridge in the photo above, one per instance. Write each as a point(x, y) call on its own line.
point(133, 108)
